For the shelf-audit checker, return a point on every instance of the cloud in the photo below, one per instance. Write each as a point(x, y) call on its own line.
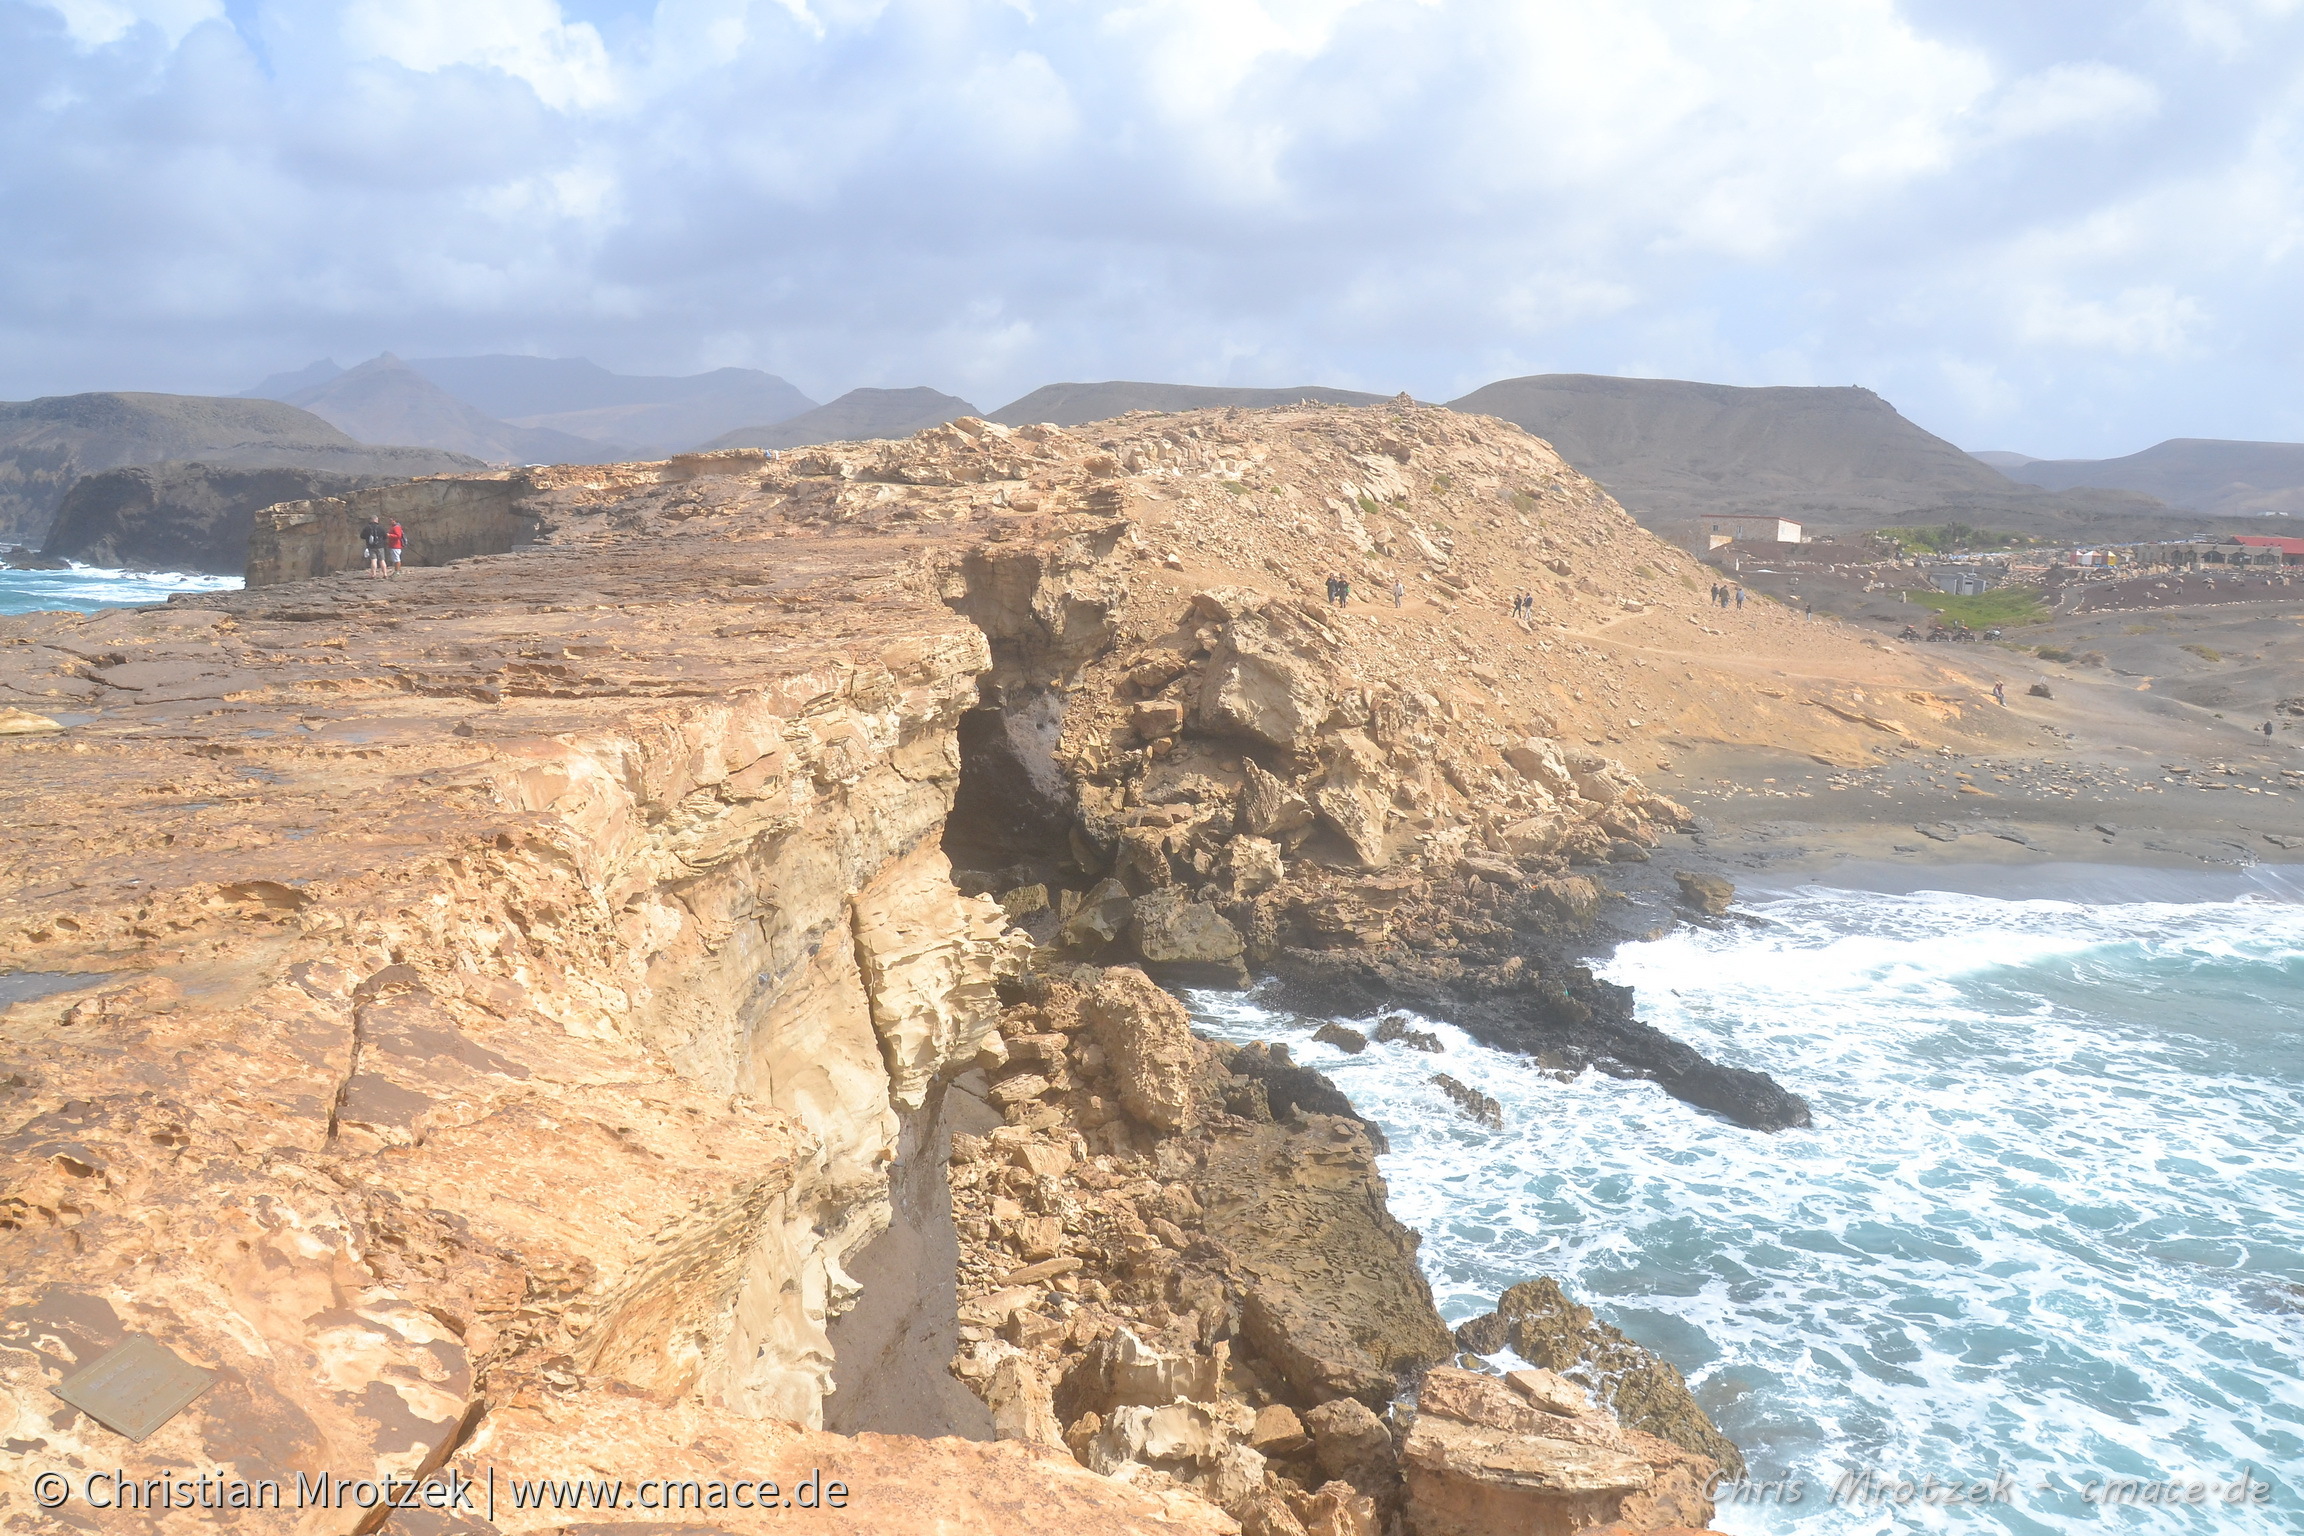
point(987, 195)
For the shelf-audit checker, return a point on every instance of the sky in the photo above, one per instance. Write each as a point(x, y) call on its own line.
point(2070, 228)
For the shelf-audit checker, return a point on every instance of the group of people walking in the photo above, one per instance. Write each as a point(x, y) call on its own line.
point(1524, 606)
point(1339, 591)
point(1726, 596)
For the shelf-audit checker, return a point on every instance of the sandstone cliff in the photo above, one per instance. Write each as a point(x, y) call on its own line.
point(514, 1015)
point(488, 1024)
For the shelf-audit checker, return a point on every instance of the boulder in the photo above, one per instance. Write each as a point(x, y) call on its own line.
point(1269, 805)
point(1474, 1104)
point(1339, 1509)
point(1254, 864)
point(1148, 1048)
point(1538, 761)
point(1355, 797)
point(1099, 919)
point(1157, 718)
point(1573, 901)
point(1176, 934)
point(1645, 1393)
point(1278, 1432)
point(1708, 894)
point(1342, 1036)
point(1483, 1335)
point(1353, 1445)
point(1256, 686)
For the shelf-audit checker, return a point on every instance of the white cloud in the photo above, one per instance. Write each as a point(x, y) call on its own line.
point(989, 194)
point(94, 23)
point(565, 64)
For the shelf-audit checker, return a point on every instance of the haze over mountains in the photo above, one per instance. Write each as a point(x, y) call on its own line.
point(48, 444)
point(2196, 474)
point(1837, 460)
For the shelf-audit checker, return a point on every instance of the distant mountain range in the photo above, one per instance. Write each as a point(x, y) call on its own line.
point(1838, 460)
point(860, 413)
point(2195, 474)
point(534, 409)
point(46, 445)
point(1070, 405)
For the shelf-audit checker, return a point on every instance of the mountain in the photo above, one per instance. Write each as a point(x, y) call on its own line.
point(281, 385)
point(1838, 460)
point(180, 517)
point(2002, 461)
point(2199, 474)
point(858, 414)
point(1068, 405)
point(47, 444)
point(573, 395)
point(386, 401)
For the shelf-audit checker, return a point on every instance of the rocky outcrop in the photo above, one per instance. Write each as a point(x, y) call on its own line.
point(455, 517)
point(1646, 1393)
point(501, 1048)
point(1528, 1453)
point(179, 517)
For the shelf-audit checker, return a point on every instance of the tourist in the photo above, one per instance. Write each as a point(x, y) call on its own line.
point(1399, 592)
point(395, 540)
point(372, 538)
point(2000, 693)
point(1343, 591)
point(1739, 597)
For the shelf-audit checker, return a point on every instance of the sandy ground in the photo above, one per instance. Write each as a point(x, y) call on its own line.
point(2153, 759)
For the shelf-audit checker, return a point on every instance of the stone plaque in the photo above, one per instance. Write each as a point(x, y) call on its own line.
point(135, 1388)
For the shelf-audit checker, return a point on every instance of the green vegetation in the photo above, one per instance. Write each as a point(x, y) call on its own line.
point(1524, 501)
point(2051, 653)
point(2140, 629)
point(1370, 505)
point(1234, 486)
point(1644, 570)
point(1441, 485)
point(1947, 538)
point(2205, 653)
point(1995, 609)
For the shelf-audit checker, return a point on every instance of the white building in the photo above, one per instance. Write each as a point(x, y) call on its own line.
point(1752, 527)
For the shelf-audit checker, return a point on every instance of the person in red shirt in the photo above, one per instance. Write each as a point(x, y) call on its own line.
point(395, 540)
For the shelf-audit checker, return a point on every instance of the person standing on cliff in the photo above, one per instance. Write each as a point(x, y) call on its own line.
point(1739, 599)
point(372, 540)
point(395, 540)
point(1399, 592)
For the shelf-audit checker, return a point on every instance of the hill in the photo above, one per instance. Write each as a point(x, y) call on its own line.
point(577, 396)
point(386, 401)
point(1070, 405)
point(2198, 474)
point(856, 416)
point(1838, 460)
point(47, 444)
point(180, 517)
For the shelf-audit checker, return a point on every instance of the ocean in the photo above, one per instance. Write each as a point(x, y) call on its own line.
point(86, 588)
point(2047, 1232)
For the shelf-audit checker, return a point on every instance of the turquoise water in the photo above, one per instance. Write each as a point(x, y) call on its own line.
point(2049, 1222)
point(86, 588)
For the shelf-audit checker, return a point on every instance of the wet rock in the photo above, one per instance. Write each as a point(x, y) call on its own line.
point(1475, 1105)
point(1483, 1335)
point(1644, 1392)
point(1342, 1036)
point(1393, 1029)
point(1708, 894)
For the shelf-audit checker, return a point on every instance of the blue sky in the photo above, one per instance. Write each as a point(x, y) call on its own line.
point(2068, 229)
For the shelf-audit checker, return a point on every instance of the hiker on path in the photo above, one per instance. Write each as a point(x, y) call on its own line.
point(2267, 730)
point(1739, 599)
point(1343, 591)
point(395, 540)
point(1399, 592)
point(372, 538)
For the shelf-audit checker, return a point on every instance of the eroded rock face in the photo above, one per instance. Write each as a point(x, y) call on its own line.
point(1484, 1456)
point(1147, 1040)
point(508, 1027)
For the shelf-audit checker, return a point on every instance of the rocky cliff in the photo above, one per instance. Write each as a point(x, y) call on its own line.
point(520, 1016)
point(182, 516)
